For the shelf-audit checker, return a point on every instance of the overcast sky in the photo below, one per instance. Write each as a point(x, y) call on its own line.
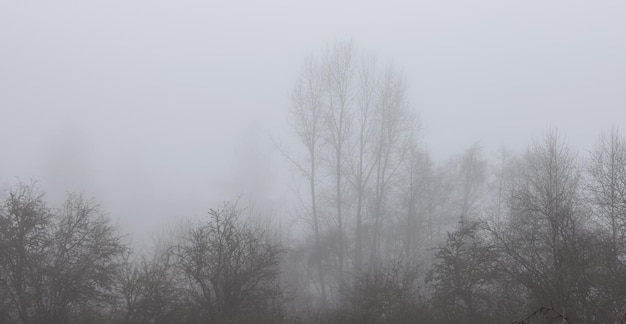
point(160, 109)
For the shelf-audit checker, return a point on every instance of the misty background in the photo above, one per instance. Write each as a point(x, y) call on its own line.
point(162, 109)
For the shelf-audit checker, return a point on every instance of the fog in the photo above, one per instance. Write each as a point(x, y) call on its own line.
point(161, 109)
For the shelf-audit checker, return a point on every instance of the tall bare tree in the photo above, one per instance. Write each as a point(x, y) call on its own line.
point(606, 192)
point(394, 134)
point(308, 120)
point(362, 160)
point(339, 66)
point(354, 121)
point(471, 176)
point(416, 190)
point(545, 245)
point(607, 189)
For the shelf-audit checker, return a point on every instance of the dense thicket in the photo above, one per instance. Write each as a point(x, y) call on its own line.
point(387, 235)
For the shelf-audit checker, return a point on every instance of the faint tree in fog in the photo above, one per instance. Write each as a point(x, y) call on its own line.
point(339, 65)
point(307, 112)
point(362, 160)
point(460, 192)
point(232, 267)
point(501, 173)
point(354, 119)
point(395, 131)
point(606, 189)
point(471, 183)
point(416, 190)
point(545, 243)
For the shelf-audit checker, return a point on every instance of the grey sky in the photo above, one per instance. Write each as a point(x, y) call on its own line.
point(160, 109)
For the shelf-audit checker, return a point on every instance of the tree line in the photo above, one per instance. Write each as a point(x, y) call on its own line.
point(70, 265)
point(386, 234)
point(394, 237)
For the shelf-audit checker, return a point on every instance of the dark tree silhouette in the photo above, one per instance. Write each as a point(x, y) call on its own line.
point(232, 267)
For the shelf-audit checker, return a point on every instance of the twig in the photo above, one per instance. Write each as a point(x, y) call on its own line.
point(544, 311)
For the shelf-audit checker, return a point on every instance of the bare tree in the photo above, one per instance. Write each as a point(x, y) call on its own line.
point(233, 267)
point(86, 258)
point(416, 190)
point(362, 160)
point(606, 192)
point(471, 183)
point(463, 276)
point(24, 239)
point(545, 244)
point(307, 111)
point(394, 133)
point(354, 121)
point(57, 267)
point(339, 68)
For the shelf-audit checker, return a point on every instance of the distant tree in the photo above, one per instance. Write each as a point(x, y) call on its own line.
point(545, 244)
point(606, 193)
point(233, 268)
point(471, 176)
point(416, 195)
point(362, 158)
point(339, 67)
point(461, 189)
point(395, 133)
point(308, 120)
point(353, 119)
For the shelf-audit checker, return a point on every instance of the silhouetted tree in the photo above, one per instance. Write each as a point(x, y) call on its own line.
point(233, 268)
point(25, 221)
point(85, 259)
point(463, 276)
point(57, 265)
